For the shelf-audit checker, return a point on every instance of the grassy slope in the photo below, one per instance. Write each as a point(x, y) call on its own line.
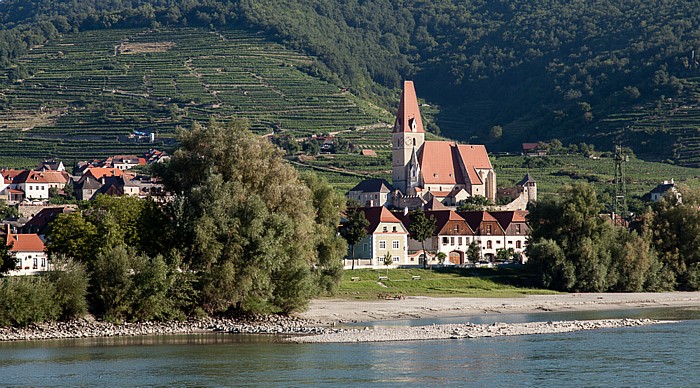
point(439, 282)
point(85, 95)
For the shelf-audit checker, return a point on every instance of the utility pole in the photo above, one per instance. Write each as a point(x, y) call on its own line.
point(620, 201)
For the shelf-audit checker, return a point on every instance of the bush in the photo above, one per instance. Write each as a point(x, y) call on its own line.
point(70, 281)
point(25, 300)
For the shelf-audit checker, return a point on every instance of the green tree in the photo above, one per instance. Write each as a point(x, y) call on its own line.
point(441, 256)
point(421, 228)
point(571, 224)
point(475, 202)
point(244, 218)
point(388, 261)
point(473, 252)
point(73, 236)
point(496, 132)
point(354, 230)
point(70, 280)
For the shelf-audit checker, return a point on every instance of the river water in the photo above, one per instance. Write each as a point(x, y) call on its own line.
point(649, 356)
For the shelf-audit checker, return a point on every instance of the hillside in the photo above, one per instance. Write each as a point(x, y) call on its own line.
point(85, 93)
point(601, 72)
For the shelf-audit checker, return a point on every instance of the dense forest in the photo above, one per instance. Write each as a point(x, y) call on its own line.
point(597, 72)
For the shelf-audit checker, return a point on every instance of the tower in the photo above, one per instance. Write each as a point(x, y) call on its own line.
point(407, 138)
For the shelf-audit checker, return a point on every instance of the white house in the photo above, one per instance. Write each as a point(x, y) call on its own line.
point(385, 234)
point(29, 253)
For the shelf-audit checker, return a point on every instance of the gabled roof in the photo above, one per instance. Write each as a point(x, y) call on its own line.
point(408, 112)
point(46, 215)
point(526, 179)
point(55, 176)
point(434, 204)
point(28, 176)
point(439, 164)
point(505, 218)
point(473, 157)
point(376, 215)
point(442, 217)
point(9, 175)
point(373, 186)
point(88, 183)
point(25, 243)
point(475, 218)
point(99, 172)
point(662, 188)
point(51, 165)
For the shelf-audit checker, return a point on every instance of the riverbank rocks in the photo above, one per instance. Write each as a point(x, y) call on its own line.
point(89, 327)
point(468, 330)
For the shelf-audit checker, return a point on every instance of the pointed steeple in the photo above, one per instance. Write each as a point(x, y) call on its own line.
point(408, 116)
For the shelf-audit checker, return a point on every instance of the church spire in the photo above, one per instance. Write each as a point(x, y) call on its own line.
point(408, 116)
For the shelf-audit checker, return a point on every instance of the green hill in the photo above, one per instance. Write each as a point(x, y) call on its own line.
point(84, 93)
point(594, 72)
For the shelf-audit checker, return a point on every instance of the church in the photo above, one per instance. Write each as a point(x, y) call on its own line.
point(423, 171)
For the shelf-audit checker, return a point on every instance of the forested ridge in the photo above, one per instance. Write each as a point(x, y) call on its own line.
point(578, 71)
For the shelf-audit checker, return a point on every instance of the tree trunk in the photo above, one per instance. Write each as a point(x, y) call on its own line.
point(353, 256)
point(425, 256)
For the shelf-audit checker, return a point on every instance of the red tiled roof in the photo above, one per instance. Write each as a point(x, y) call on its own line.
point(408, 110)
point(442, 217)
point(436, 167)
point(29, 176)
point(473, 157)
point(55, 176)
point(376, 215)
point(25, 243)
point(99, 172)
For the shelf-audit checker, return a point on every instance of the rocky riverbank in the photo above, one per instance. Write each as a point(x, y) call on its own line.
point(85, 328)
point(466, 330)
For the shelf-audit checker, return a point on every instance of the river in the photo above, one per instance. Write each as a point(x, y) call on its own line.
point(656, 355)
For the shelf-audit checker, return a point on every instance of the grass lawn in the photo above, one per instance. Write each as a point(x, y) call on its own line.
point(438, 282)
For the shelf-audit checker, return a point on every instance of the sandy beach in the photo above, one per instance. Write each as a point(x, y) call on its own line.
point(334, 311)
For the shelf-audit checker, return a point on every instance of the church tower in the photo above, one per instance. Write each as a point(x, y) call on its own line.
point(407, 139)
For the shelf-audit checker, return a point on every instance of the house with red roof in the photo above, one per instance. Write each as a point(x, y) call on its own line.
point(444, 170)
point(386, 234)
point(29, 253)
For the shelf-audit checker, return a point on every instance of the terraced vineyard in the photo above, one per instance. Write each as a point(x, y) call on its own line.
point(88, 92)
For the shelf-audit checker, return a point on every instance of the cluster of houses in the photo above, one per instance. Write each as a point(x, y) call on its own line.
point(31, 190)
point(454, 236)
point(108, 176)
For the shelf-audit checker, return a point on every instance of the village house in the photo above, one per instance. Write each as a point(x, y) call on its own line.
point(371, 192)
point(39, 224)
point(29, 253)
point(385, 234)
point(51, 165)
point(662, 189)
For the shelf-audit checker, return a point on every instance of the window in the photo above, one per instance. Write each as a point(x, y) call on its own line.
point(365, 247)
point(456, 228)
point(382, 245)
point(459, 240)
point(396, 259)
point(43, 262)
point(488, 229)
point(384, 229)
point(36, 263)
point(30, 187)
point(510, 242)
point(445, 240)
point(393, 229)
point(517, 244)
point(452, 241)
point(395, 245)
point(517, 228)
point(489, 244)
point(381, 259)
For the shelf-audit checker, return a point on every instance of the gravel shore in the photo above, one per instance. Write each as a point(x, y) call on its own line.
point(466, 330)
point(86, 328)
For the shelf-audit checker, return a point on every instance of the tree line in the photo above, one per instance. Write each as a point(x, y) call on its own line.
point(575, 248)
point(243, 232)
